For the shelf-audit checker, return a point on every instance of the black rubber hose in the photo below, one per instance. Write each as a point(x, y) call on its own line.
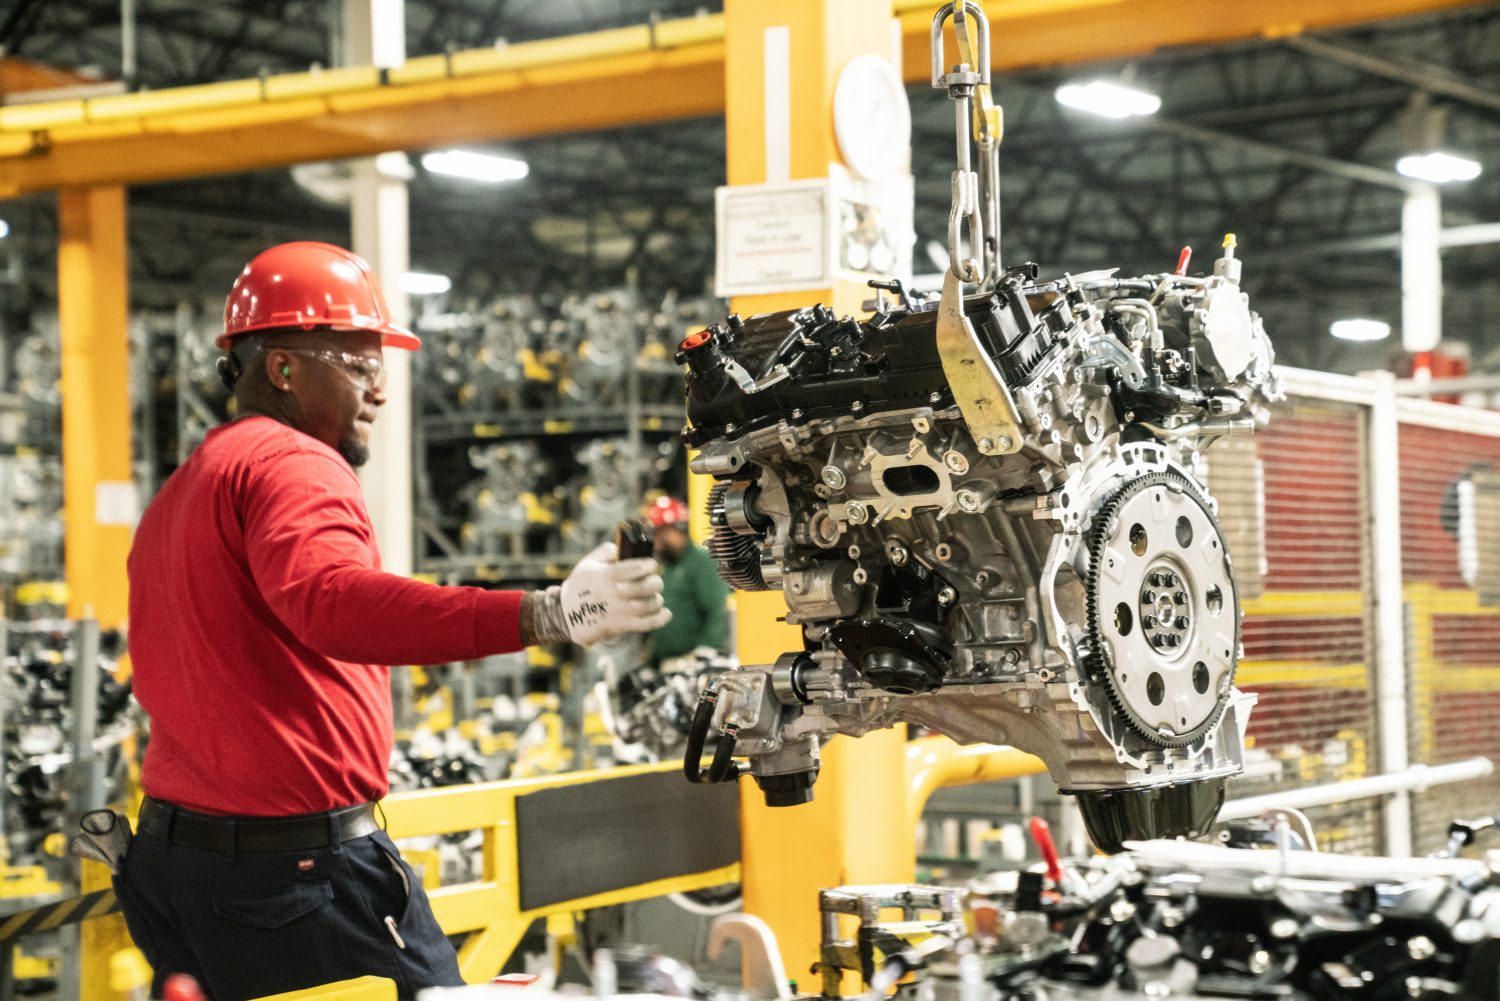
point(697, 736)
point(722, 769)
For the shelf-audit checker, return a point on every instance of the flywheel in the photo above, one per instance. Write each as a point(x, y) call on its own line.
point(1163, 612)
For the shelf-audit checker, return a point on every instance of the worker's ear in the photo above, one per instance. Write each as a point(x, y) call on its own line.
point(279, 366)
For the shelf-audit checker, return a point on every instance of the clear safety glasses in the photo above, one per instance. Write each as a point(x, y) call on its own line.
point(367, 373)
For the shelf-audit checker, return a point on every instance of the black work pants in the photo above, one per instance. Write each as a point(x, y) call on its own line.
point(247, 925)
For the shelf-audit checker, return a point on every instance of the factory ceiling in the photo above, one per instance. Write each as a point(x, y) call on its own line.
point(1290, 143)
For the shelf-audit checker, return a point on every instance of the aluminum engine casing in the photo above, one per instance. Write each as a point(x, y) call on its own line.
point(1067, 591)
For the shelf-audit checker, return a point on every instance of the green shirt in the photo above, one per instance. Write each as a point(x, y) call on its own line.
point(695, 593)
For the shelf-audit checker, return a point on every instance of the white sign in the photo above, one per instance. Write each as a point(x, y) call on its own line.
point(116, 503)
point(810, 234)
point(773, 238)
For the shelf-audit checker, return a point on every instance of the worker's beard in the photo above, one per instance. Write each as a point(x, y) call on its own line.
point(354, 453)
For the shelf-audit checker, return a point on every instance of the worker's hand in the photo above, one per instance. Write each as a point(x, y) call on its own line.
point(605, 597)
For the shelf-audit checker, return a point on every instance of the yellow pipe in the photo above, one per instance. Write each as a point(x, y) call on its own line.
point(934, 763)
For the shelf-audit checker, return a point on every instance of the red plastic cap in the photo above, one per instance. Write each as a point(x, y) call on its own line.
point(311, 286)
point(693, 340)
point(668, 511)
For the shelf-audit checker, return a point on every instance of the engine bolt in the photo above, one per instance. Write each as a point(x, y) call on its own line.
point(956, 461)
point(1172, 639)
point(856, 513)
point(968, 500)
point(947, 596)
point(896, 553)
point(1421, 948)
point(1148, 622)
point(1149, 597)
point(986, 445)
point(1005, 443)
point(857, 407)
point(861, 575)
point(1182, 622)
point(834, 477)
point(1180, 597)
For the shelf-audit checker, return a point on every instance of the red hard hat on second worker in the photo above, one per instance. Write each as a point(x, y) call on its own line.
point(668, 511)
point(310, 285)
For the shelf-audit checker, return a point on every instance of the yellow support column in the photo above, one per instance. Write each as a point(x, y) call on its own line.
point(781, 129)
point(99, 501)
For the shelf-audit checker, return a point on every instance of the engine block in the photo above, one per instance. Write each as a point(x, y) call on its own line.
point(1061, 586)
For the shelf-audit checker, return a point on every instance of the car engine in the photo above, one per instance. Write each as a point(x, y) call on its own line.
point(1056, 580)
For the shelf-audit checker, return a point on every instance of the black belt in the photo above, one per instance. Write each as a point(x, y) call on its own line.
point(256, 834)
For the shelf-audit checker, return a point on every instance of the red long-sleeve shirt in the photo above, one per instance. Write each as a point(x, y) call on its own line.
point(259, 621)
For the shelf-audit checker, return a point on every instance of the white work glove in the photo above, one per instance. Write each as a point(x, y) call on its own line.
point(604, 597)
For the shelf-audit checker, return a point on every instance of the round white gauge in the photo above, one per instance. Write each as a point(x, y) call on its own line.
point(871, 118)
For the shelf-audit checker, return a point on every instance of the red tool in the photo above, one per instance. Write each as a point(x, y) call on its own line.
point(1182, 260)
point(1042, 835)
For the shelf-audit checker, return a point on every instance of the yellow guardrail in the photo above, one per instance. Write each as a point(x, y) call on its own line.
point(489, 909)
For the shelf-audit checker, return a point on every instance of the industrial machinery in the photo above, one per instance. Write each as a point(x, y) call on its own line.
point(987, 513)
point(1174, 920)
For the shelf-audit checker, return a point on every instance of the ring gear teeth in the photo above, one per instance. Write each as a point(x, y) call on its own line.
point(1096, 656)
point(736, 556)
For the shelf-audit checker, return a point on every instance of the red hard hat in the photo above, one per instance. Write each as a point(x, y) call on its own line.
point(668, 511)
point(310, 285)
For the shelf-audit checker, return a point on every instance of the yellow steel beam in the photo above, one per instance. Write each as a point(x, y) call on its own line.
point(582, 82)
point(599, 80)
point(1049, 32)
point(98, 494)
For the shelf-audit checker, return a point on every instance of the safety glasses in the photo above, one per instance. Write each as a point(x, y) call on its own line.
point(367, 373)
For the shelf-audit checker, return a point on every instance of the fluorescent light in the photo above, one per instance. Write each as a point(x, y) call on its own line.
point(4, 229)
point(1112, 100)
point(1438, 167)
point(1360, 330)
point(473, 166)
point(422, 283)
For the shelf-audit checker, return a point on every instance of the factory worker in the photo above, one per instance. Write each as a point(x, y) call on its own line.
point(260, 630)
point(693, 590)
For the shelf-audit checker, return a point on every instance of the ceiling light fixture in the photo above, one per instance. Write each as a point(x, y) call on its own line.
point(1111, 100)
point(1438, 167)
point(422, 283)
point(471, 166)
point(1360, 330)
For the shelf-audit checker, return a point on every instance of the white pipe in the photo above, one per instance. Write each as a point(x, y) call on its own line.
point(1421, 269)
point(1383, 483)
point(1417, 777)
